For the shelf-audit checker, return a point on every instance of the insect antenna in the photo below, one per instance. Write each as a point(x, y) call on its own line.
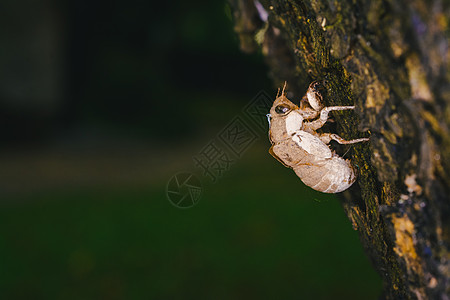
point(284, 87)
point(278, 92)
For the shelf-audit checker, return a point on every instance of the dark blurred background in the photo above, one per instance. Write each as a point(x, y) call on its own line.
point(101, 103)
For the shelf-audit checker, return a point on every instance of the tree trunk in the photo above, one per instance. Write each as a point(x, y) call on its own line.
point(391, 59)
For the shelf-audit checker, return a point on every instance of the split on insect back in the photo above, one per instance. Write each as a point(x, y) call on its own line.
point(297, 144)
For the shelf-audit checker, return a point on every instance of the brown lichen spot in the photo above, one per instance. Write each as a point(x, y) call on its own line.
point(395, 124)
point(432, 283)
point(419, 293)
point(417, 79)
point(439, 232)
point(411, 184)
point(397, 41)
point(377, 94)
point(404, 242)
point(433, 121)
point(417, 206)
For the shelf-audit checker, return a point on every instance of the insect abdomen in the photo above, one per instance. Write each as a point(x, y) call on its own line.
point(333, 175)
point(289, 153)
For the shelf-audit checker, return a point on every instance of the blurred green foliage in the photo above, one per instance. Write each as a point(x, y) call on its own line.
point(256, 234)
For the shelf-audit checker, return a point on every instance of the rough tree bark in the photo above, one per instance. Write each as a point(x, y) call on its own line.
point(391, 59)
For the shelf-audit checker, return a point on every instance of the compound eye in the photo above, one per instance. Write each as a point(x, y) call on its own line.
point(281, 109)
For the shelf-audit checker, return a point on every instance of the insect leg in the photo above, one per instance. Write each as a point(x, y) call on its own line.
point(327, 137)
point(314, 125)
